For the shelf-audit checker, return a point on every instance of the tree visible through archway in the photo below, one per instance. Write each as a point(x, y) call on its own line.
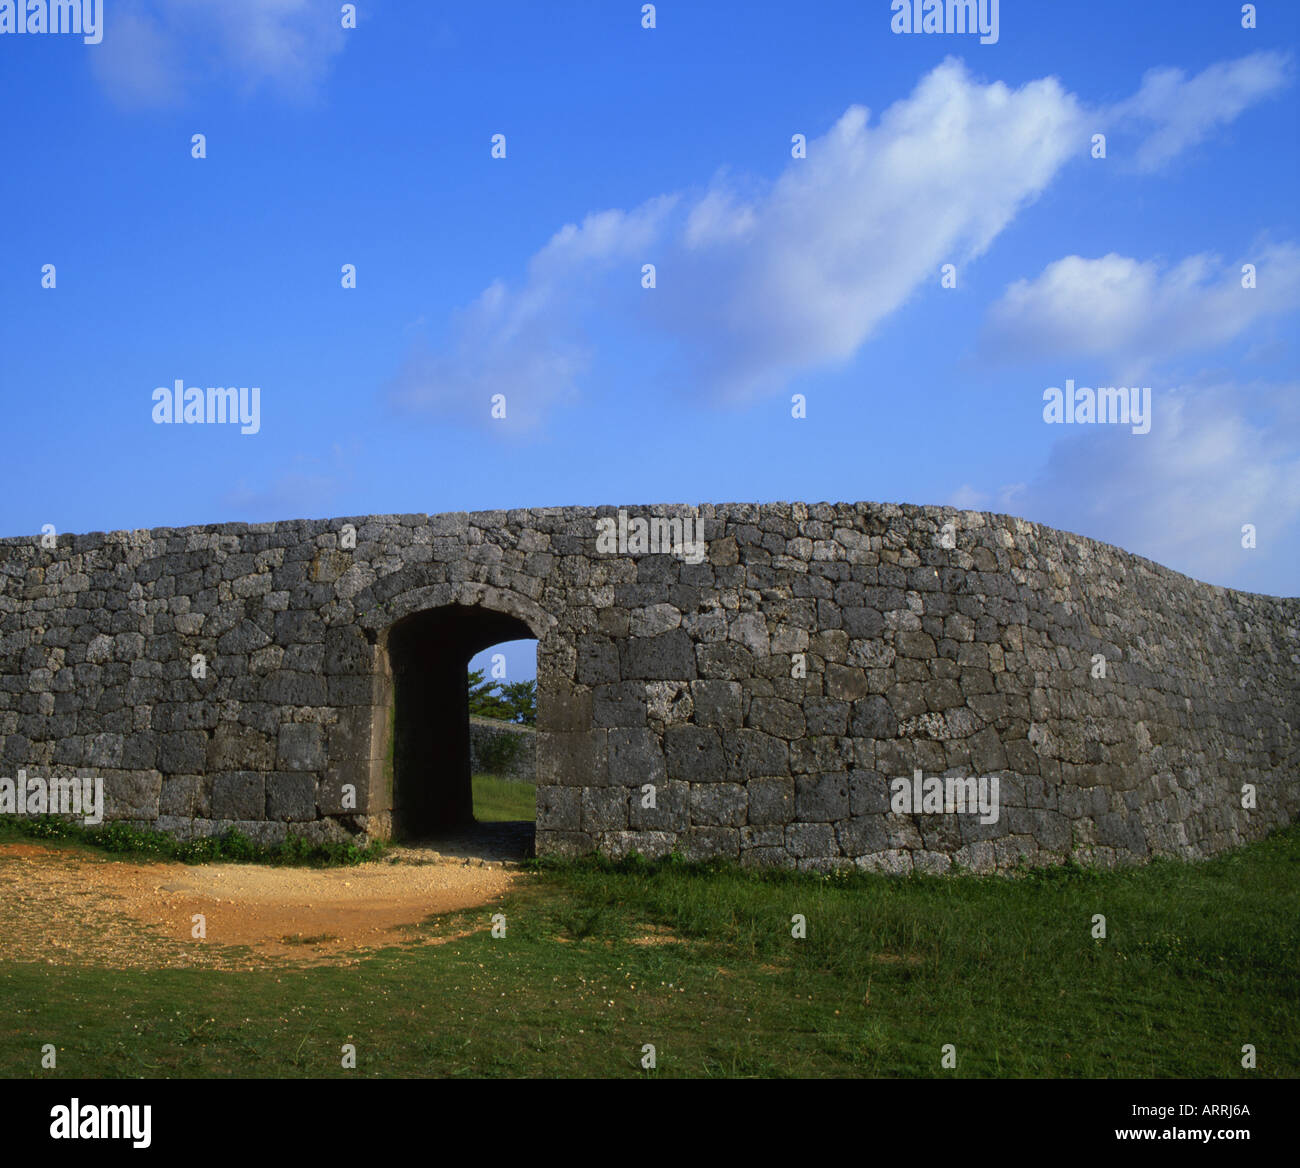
point(429, 653)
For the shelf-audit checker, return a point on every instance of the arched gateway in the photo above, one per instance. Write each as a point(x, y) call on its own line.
point(784, 684)
point(420, 725)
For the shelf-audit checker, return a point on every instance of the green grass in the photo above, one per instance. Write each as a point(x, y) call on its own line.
point(1199, 960)
point(496, 799)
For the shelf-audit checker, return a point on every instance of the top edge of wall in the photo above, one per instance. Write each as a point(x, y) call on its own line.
point(499, 517)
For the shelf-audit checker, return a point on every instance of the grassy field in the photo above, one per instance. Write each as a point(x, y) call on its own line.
point(496, 799)
point(599, 960)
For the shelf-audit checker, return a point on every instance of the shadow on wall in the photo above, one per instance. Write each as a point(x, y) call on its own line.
point(428, 654)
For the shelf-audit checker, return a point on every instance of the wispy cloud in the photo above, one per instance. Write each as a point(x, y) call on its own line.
point(528, 345)
point(160, 52)
point(1173, 111)
point(1135, 313)
point(756, 285)
point(1002, 499)
point(760, 282)
point(762, 287)
point(1217, 457)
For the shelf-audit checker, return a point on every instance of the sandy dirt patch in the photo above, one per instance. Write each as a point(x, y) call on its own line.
point(63, 906)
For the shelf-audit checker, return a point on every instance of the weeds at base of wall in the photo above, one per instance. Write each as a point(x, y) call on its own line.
point(636, 864)
point(1070, 871)
point(231, 846)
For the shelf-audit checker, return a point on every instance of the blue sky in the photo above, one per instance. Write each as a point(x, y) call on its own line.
point(775, 275)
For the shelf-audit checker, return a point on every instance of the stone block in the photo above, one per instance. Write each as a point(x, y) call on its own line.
point(239, 795)
point(301, 747)
point(635, 758)
point(604, 809)
point(667, 657)
point(718, 805)
point(290, 797)
point(184, 796)
point(804, 840)
point(717, 704)
point(822, 798)
point(670, 811)
point(559, 808)
point(184, 752)
point(694, 754)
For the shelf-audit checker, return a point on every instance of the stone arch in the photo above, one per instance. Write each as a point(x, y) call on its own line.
point(425, 635)
point(405, 593)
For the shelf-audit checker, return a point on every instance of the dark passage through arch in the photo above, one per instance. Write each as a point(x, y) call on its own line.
point(429, 653)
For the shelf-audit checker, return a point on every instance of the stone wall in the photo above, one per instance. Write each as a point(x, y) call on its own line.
point(240, 675)
point(485, 737)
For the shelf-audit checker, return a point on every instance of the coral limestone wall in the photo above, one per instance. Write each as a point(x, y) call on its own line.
point(778, 683)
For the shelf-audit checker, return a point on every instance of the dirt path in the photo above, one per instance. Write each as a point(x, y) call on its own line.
point(64, 906)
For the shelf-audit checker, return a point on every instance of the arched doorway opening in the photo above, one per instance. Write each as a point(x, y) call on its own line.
point(429, 654)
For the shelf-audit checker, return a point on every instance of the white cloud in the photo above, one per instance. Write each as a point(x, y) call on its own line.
point(158, 52)
point(760, 282)
point(1217, 457)
point(527, 345)
point(755, 287)
point(761, 288)
point(1135, 313)
point(1178, 112)
point(1002, 501)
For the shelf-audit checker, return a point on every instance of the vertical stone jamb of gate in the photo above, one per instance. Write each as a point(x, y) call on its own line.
point(572, 753)
point(378, 765)
point(352, 787)
point(572, 759)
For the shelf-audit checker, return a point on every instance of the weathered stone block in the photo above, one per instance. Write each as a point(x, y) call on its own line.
point(874, 717)
point(240, 795)
point(291, 797)
point(597, 661)
point(751, 752)
point(702, 843)
point(183, 752)
point(863, 835)
point(651, 844)
point(670, 811)
point(804, 840)
point(104, 750)
point(826, 716)
point(717, 704)
point(694, 754)
point(184, 796)
point(771, 801)
point(622, 704)
point(559, 808)
point(131, 794)
point(604, 809)
point(635, 758)
point(344, 789)
point(668, 657)
point(234, 747)
point(718, 804)
point(573, 760)
point(869, 792)
point(845, 683)
point(301, 747)
point(776, 716)
point(822, 798)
